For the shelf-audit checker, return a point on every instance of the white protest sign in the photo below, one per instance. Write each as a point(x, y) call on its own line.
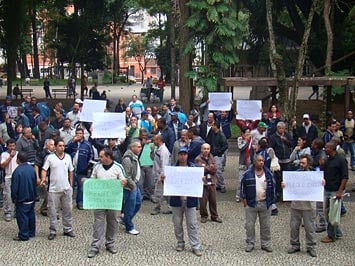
point(249, 109)
point(303, 185)
point(90, 107)
point(109, 125)
point(183, 181)
point(219, 101)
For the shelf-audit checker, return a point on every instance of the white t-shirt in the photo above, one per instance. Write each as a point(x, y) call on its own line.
point(59, 168)
point(114, 172)
point(10, 168)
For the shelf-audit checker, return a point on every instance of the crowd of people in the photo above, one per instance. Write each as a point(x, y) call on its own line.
point(57, 154)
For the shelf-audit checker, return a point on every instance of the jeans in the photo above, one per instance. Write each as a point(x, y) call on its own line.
point(351, 147)
point(132, 201)
point(79, 194)
point(26, 220)
point(333, 231)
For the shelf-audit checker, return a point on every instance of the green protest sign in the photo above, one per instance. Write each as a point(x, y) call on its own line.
point(103, 194)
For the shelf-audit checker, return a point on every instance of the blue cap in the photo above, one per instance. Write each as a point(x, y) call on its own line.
point(8, 98)
point(183, 149)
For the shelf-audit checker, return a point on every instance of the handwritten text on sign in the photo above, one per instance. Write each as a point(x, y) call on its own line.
point(103, 194)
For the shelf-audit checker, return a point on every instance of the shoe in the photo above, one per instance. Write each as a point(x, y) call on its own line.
point(167, 212)
point(16, 238)
point(312, 253)
point(339, 236)
point(249, 248)
point(203, 220)
point(197, 252)
point(320, 230)
point(112, 250)
point(120, 221)
point(155, 211)
point(146, 198)
point(237, 199)
point(274, 212)
point(44, 213)
point(223, 190)
point(267, 249)
point(218, 188)
point(342, 214)
point(80, 207)
point(327, 240)
point(292, 250)
point(51, 236)
point(133, 232)
point(352, 168)
point(179, 248)
point(217, 220)
point(70, 234)
point(92, 253)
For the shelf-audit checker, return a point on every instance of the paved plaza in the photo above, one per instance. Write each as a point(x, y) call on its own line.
point(223, 244)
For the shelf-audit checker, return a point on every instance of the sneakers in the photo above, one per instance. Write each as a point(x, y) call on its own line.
point(167, 212)
point(292, 250)
point(179, 248)
point(7, 217)
point(237, 199)
point(267, 249)
point(112, 250)
point(274, 212)
point(155, 211)
point(133, 232)
point(312, 253)
point(92, 253)
point(197, 252)
point(249, 248)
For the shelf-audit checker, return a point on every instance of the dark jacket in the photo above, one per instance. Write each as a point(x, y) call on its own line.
point(195, 148)
point(191, 202)
point(180, 126)
point(282, 149)
point(23, 184)
point(85, 155)
point(248, 187)
point(168, 137)
point(203, 132)
point(300, 131)
point(219, 143)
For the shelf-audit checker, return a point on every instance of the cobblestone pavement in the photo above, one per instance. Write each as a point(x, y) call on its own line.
point(223, 244)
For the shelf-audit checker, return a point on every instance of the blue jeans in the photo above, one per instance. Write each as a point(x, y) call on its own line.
point(132, 201)
point(351, 147)
point(79, 194)
point(26, 220)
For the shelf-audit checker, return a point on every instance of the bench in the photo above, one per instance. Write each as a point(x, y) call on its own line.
point(63, 91)
point(27, 91)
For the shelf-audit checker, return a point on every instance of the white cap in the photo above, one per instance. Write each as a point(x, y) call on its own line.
point(306, 116)
point(79, 101)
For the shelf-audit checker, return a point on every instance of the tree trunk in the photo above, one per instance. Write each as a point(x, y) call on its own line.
point(328, 28)
point(301, 57)
point(33, 13)
point(277, 66)
point(114, 69)
point(185, 88)
point(172, 47)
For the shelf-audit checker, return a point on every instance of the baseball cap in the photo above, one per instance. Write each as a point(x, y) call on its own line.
point(8, 98)
point(262, 124)
point(183, 149)
point(144, 113)
point(79, 101)
point(306, 116)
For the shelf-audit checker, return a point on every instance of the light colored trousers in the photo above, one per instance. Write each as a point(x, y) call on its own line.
point(191, 225)
point(264, 220)
point(8, 205)
point(99, 228)
point(309, 221)
point(63, 200)
point(219, 174)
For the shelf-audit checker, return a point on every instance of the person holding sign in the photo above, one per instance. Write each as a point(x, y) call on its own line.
point(187, 205)
point(106, 169)
point(60, 189)
point(306, 211)
point(258, 193)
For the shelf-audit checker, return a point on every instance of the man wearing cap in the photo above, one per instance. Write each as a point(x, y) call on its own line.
point(258, 133)
point(307, 129)
point(176, 125)
point(185, 205)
